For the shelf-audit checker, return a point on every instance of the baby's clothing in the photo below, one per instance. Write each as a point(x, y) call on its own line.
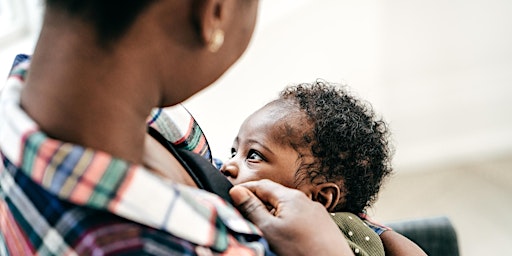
point(362, 239)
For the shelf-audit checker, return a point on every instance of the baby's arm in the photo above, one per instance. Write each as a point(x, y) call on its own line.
point(397, 244)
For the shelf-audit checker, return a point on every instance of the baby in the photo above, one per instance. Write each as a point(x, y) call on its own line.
point(323, 141)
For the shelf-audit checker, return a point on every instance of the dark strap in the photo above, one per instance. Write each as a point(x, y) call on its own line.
point(204, 174)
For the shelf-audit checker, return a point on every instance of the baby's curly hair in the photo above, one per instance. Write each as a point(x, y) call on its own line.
point(348, 142)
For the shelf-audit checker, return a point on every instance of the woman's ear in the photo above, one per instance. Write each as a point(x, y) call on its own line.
point(328, 194)
point(210, 18)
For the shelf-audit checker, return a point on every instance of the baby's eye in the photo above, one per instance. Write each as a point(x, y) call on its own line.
point(255, 155)
point(233, 152)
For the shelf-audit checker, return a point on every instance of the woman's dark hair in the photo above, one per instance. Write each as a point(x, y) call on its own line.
point(110, 18)
point(349, 144)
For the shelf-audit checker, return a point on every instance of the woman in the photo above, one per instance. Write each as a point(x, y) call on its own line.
point(80, 172)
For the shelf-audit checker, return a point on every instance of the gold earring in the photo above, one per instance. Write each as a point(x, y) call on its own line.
point(216, 41)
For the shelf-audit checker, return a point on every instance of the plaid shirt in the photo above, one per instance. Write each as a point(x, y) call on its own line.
point(58, 198)
point(178, 126)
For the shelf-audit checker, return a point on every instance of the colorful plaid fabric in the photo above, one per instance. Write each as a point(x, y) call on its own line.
point(178, 126)
point(58, 198)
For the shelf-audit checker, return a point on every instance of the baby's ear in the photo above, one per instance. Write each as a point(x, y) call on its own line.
point(328, 194)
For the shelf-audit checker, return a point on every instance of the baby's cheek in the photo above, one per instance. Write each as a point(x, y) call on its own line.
point(244, 178)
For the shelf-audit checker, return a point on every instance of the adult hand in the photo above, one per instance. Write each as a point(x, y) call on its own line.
point(292, 223)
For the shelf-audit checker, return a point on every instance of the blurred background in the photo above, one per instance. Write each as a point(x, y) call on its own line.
point(439, 71)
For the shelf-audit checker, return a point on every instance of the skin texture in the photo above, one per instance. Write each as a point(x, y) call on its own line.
point(256, 154)
point(396, 244)
point(98, 92)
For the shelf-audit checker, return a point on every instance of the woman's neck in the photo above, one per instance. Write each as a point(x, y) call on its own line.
point(83, 100)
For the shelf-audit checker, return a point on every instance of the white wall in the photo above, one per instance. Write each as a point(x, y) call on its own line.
point(439, 71)
point(19, 29)
point(447, 70)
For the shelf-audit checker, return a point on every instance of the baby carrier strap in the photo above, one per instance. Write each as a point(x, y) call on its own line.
point(204, 174)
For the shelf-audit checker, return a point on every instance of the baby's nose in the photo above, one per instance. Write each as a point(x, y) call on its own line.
point(229, 169)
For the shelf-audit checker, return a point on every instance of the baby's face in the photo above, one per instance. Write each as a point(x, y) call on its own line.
point(257, 155)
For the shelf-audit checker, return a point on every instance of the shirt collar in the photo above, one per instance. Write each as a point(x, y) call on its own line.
point(96, 179)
